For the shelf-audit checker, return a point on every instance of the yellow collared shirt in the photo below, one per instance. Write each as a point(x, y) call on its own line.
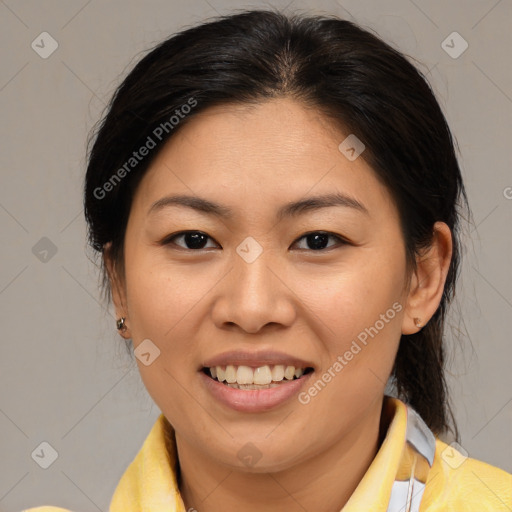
point(453, 483)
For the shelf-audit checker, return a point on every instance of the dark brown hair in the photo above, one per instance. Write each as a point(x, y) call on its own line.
point(350, 75)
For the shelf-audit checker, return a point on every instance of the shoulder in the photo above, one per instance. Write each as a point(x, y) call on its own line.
point(459, 483)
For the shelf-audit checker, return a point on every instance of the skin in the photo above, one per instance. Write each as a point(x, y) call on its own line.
point(197, 303)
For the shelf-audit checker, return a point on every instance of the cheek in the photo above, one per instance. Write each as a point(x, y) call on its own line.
point(360, 302)
point(161, 304)
point(358, 325)
point(358, 317)
point(165, 305)
point(159, 295)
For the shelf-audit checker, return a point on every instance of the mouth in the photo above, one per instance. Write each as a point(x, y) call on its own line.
point(254, 378)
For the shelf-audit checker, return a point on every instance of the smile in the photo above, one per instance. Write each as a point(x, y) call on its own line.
point(248, 378)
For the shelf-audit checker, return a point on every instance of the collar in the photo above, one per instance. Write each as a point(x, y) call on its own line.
point(150, 482)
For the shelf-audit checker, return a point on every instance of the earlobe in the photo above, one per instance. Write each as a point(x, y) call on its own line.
point(117, 292)
point(417, 322)
point(415, 314)
point(427, 284)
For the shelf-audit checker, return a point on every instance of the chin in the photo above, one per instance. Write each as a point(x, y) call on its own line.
point(259, 457)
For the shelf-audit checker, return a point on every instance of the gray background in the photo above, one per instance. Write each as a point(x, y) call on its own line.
point(65, 376)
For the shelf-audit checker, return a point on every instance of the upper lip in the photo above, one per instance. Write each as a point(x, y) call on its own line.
point(255, 359)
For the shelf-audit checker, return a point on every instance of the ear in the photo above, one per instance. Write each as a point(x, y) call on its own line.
point(117, 287)
point(427, 282)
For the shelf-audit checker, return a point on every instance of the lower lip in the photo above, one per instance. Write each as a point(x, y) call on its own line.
point(253, 400)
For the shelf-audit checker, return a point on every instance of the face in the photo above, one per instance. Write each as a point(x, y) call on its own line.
point(249, 293)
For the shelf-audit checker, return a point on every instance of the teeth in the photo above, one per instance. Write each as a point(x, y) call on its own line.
point(289, 372)
point(245, 377)
point(221, 374)
point(278, 372)
point(230, 374)
point(262, 375)
point(253, 386)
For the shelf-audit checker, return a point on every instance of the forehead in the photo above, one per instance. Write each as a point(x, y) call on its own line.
point(258, 156)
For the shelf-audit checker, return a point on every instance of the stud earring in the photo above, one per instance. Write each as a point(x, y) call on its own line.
point(417, 322)
point(121, 324)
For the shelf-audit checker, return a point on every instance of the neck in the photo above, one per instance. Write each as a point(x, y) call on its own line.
point(323, 483)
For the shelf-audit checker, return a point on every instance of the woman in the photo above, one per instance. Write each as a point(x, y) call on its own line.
point(276, 202)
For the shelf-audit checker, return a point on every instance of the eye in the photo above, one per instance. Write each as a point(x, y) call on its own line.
point(318, 239)
point(195, 240)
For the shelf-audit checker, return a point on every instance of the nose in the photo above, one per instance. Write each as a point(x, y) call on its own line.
point(254, 296)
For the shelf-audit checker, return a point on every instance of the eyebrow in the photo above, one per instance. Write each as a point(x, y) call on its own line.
point(292, 209)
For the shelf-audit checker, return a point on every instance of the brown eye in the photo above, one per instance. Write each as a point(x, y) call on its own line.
point(317, 240)
point(196, 240)
point(193, 240)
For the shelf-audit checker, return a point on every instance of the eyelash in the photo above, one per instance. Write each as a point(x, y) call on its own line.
point(341, 240)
